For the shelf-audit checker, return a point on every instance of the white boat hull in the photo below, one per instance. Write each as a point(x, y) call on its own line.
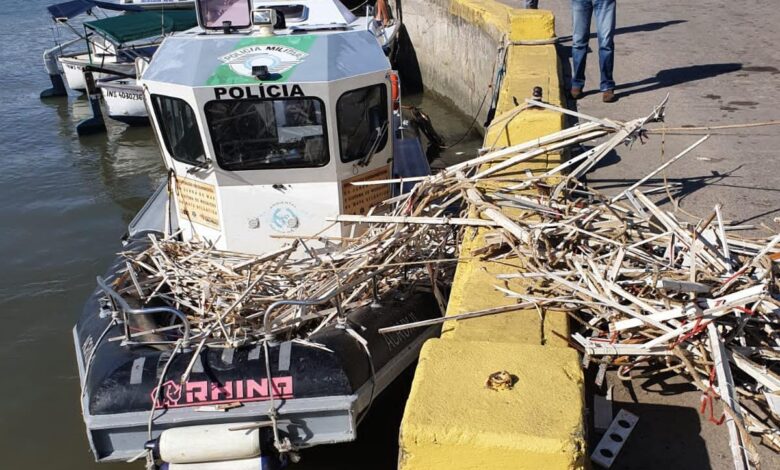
point(73, 68)
point(160, 4)
point(124, 101)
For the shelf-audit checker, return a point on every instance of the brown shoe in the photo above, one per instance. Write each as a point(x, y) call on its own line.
point(575, 93)
point(609, 96)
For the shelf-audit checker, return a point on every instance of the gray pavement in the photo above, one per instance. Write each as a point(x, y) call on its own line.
point(718, 60)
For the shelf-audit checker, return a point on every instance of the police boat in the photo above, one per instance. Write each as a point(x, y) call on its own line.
point(264, 118)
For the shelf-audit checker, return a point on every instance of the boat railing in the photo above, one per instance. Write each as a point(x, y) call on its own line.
point(50, 56)
point(125, 309)
point(122, 307)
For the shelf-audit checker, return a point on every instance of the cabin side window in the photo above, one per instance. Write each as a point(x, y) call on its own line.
point(362, 120)
point(263, 134)
point(179, 130)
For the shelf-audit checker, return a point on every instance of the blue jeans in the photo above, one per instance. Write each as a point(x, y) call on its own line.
point(604, 11)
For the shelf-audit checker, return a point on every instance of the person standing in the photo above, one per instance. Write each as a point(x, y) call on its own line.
point(604, 12)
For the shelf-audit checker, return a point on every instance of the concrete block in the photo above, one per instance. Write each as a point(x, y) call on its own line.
point(452, 421)
point(512, 128)
point(525, 25)
point(500, 19)
point(527, 67)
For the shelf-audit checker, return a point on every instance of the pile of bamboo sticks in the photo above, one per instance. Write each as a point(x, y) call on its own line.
point(644, 287)
point(408, 239)
point(228, 298)
point(649, 291)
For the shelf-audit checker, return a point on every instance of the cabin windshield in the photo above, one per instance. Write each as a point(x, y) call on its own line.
point(257, 134)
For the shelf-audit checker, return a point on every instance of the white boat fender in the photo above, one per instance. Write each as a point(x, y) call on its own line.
point(257, 463)
point(209, 443)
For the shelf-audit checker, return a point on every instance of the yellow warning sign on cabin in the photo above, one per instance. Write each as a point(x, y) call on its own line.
point(197, 202)
point(359, 199)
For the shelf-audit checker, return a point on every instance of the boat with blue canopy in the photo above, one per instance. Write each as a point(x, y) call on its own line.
point(111, 44)
point(115, 43)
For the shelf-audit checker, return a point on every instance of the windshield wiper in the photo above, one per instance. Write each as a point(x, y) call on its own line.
point(371, 151)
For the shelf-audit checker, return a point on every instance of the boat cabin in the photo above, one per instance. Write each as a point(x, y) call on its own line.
point(266, 114)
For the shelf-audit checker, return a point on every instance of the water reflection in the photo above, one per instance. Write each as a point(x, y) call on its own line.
point(128, 163)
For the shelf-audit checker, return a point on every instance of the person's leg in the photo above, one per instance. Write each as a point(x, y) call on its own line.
point(532, 4)
point(581, 11)
point(604, 11)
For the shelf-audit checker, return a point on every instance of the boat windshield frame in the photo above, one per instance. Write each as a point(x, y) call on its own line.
point(345, 138)
point(187, 130)
point(256, 164)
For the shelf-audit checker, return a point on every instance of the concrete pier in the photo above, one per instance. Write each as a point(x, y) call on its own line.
point(452, 421)
point(458, 43)
point(717, 61)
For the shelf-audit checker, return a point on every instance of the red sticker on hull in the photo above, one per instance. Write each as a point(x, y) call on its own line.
point(196, 393)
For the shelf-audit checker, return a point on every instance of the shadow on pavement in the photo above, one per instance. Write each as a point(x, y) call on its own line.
point(647, 27)
point(680, 188)
point(757, 216)
point(612, 158)
point(676, 76)
point(564, 52)
point(665, 437)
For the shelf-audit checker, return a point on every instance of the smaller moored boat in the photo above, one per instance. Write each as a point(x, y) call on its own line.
point(124, 100)
point(160, 4)
point(112, 43)
point(115, 43)
point(61, 15)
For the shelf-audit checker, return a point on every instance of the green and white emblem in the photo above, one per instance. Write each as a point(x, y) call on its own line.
point(276, 57)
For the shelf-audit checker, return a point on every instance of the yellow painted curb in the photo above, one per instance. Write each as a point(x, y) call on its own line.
point(461, 424)
point(517, 25)
point(451, 420)
point(474, 289)
point(532, 66)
